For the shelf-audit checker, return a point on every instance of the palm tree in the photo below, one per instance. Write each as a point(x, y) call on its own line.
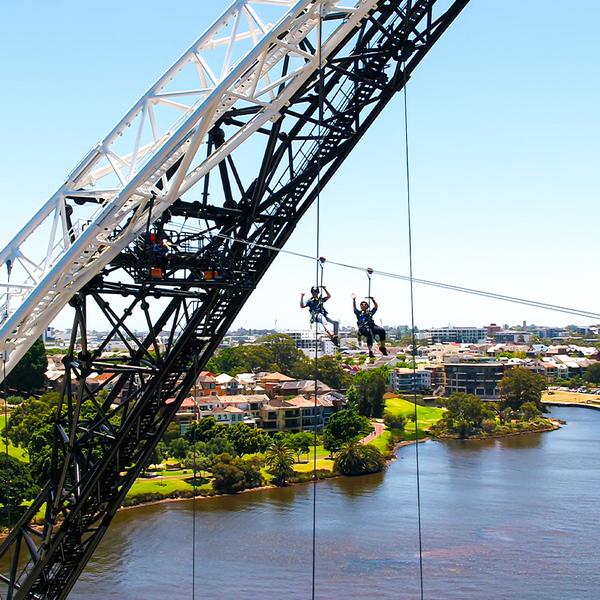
point(280, 460)
point(355, 458)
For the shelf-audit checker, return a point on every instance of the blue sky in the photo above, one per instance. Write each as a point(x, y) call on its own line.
point(504, 135)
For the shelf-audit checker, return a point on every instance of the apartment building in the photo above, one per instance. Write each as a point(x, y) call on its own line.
point(480, 378)
point(405, 380)
point(461, 335)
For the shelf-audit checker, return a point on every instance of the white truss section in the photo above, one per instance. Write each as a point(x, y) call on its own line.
point(233, 64)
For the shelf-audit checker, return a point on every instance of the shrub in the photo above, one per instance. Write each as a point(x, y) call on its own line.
point(394, 421)
point(489, 425)
point(358, 459)
point(232, 475)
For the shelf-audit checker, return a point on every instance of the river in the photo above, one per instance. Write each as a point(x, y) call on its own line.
point(515, 518)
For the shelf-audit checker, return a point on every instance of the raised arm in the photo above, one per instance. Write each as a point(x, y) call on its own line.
point(302, 305)
point(354, 302)
point(375, 305)
point(328, 294)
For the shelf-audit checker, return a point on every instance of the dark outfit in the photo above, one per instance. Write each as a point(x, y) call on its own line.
point(367, 327)
point(318, 313)
point(160, 254)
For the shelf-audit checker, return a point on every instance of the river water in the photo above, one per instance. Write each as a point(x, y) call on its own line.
point(515, 518)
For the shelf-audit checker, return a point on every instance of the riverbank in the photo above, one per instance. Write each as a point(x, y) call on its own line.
point(579, 404)
point(321, 476)
point(366, 534)
point(553, 425)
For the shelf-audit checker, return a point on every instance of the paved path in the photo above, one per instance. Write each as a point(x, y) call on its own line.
point(379, 429)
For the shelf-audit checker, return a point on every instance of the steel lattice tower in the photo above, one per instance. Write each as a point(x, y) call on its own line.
point(171, 167)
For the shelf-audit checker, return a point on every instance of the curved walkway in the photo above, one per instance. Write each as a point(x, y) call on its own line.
point(379, 429)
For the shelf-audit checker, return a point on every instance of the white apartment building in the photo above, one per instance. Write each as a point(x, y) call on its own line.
point(461, 335)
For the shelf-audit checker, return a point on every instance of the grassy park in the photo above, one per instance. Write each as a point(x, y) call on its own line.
point(426, 416)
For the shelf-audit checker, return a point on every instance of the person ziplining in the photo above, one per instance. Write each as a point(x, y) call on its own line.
point(318, 312)
point(367, 327)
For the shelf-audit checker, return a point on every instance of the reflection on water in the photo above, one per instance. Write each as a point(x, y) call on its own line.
point(502, 519)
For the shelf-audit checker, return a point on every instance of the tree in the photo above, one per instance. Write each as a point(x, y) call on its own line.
point(344, 426)
point(592, 373)
point(28, 374)
point(173, 431)
point(179, 447)
point(246, 439)
point(328, 370)
point(228, 477)
point(530, 411)
point(370, 388)
point(30, 416)
point(16, 482)
point(280, 461)
point(232, 475)
point(197, 462)
point(30, 426)
point(352, 396)
point(520, 385)
point(219, 445)
point(15, 400)
point(205, 430)
point(251, 467)
point(300, 443)
point(242, 359)
point(465, 414)
point(394, 421)
point(355, 458)
point(156, 456)
point(284, 353)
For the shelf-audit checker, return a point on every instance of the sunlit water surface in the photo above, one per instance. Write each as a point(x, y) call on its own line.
point(516, 518)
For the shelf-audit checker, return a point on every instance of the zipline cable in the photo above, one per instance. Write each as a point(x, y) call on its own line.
point(8, 470)
point(447, 286)
point(194, 428)
point(412, 317)
point(319, 272)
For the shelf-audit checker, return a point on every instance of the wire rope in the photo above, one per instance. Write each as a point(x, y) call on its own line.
point(318, 272)
point(447, 286)
point(194, 427)
point(412, 319)
point(6, 442)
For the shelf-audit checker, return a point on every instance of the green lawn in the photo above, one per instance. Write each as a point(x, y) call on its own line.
point(426, 416)
point(13, 451)
point(164, 487)
point(382, 442)
point(323, 461)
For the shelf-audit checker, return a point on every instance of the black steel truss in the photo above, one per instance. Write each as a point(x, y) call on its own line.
point(105, 434)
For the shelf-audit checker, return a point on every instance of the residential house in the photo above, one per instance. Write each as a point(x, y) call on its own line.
point(231, 415)
point(186, 414)
point(313, 414)
point(249, 403)
point(549, 369)
point(249, 383)
point(271, 381)
point(228, 385)
point(206, 384)
point(280, 415)
point(302, 387)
